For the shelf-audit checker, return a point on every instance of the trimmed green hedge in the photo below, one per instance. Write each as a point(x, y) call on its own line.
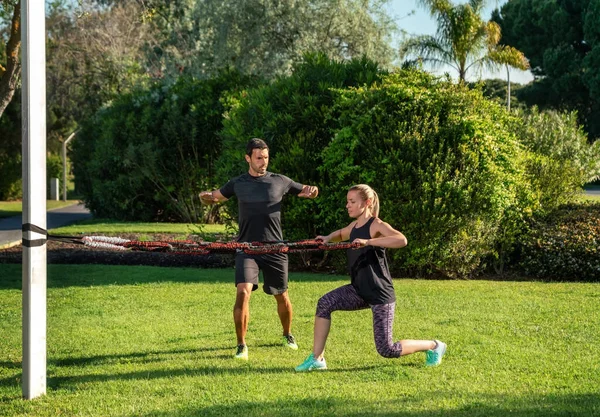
point(564, 245)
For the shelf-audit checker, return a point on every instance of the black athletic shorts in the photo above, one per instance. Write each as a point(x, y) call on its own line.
point(273, 266)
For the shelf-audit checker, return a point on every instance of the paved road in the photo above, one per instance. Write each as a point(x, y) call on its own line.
point(10, 227)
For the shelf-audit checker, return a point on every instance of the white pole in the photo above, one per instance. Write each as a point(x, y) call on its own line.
point(33, 76)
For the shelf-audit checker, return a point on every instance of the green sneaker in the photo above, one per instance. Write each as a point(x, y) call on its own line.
point(311, 364)
point(290, 341)
point(242, 352)
point(434, 357)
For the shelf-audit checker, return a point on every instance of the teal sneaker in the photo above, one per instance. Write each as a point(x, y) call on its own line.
point(311, 364)
point(242, 352)
point(290, 341)
point(434, 357)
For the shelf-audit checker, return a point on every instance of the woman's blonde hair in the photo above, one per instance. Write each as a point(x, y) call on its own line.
point(367, 193)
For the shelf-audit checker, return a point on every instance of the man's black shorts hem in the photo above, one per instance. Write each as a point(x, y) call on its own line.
point(273, 266)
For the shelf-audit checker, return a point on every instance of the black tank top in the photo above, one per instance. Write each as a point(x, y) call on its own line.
point(369, 270)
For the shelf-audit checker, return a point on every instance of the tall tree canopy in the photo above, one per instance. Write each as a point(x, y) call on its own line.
point(265, 37)
point(10, 45)
point(561, 38)
point(464, 40)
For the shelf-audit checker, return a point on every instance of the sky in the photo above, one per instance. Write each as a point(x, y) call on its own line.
point(420, 23)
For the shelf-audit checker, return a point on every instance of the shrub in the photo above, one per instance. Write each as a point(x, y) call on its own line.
point(10, 152)
point(445, 165)
point(292, 114)
point(561, 159)
point(565, 244)
point(148, 155)
point(53, 170)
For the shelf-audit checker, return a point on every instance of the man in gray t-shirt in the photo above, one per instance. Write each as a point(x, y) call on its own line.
point(259, 195)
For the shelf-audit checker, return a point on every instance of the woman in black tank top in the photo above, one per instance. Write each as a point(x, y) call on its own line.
point(370, 285)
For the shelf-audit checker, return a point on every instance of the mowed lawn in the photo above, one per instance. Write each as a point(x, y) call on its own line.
point(14, 208)
point(148, 341)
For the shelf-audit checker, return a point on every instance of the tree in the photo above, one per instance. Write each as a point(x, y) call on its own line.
point(94, 54)
point(463, 40)
point(9, 52)
point(496, 89)
point(265, 37)
point(561, 38)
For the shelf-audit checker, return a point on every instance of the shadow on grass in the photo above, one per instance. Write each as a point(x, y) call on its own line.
point(483, 405)
point(244, 368)
point(66, 381)
point(9, 213)
point(62, 276)
point(133, 357)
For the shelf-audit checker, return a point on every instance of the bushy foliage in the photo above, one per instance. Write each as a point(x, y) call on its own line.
point(444, 163)
point(10, 152)
point(53, 170)
point(561, 40)
point(561, 160)
point(564, 245)
point(148, 155)
point(293, 115)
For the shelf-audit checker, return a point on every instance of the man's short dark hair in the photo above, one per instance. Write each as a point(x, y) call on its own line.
point(256, 143)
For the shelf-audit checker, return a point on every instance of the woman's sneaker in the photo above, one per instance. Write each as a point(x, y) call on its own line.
point(311, 364)
point(290, 341)
point(434, 356)
point(242, 352)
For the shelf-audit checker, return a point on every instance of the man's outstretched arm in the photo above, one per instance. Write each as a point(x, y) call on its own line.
point(309, 191)
point(212, 197)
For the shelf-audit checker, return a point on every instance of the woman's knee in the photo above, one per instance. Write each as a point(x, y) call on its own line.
point(323, 309)
point(389, 351)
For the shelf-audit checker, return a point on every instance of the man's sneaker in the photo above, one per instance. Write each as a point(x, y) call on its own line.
point(290, 341)
point(242, 352)
point(311, 364)
point(434, 357)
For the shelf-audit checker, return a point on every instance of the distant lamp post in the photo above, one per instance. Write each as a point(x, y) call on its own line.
point(64, 163)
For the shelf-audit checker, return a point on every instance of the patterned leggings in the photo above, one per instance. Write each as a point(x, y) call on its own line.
point(346, 298)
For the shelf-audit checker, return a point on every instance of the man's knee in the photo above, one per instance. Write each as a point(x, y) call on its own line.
point(243, 293)
point(282, 298)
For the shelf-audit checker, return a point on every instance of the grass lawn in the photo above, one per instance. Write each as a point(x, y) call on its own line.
point(115, 227)
point(14, 208)
point(148, 341)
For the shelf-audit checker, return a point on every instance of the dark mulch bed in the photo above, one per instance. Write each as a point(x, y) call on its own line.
point(73, 253)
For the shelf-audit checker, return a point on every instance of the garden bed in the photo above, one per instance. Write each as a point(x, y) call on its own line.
point(73, 253)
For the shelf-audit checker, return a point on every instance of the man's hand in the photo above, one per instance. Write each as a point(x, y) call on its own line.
point(206, 197)
point(309, 191)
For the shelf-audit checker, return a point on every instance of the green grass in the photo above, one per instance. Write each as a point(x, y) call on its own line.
point(148, 341)
point(14, 208)
point(111, 227)
point(591, 197)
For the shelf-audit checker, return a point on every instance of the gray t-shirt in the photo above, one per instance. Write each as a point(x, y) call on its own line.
point(259, 204)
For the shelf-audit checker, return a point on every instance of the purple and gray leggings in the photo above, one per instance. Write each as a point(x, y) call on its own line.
point(346, 298)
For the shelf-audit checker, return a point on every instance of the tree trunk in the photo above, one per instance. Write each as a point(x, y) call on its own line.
point(10, 76)
point(507, 87)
